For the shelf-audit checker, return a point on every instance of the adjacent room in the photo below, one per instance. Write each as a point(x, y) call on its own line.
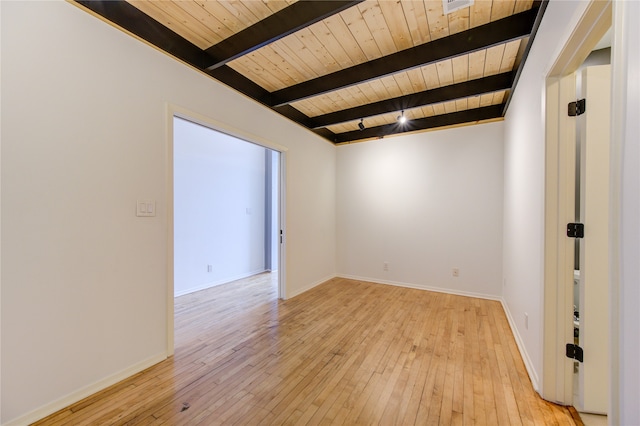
point(226, 208)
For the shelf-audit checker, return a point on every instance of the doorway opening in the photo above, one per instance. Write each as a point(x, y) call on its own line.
point(225, 210)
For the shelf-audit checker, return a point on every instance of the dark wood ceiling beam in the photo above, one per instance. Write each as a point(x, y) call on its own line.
point(242, 84)
point(295, 115)
point(447, 93)
point(468, 116)
point(501, 31)
point(292, 18)
point(143, 26)
point(325, 133)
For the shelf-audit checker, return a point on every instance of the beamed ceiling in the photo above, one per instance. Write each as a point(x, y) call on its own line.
point(331, 65)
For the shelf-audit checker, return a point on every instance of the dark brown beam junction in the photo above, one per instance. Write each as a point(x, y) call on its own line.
point(292, 18)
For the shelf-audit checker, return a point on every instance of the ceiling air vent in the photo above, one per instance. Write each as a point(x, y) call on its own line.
point(453, 5)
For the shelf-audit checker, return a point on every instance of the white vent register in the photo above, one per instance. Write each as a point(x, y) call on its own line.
point(453, 5)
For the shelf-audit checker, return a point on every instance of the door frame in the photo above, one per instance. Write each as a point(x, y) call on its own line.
point(557, 370)
point(172, 111)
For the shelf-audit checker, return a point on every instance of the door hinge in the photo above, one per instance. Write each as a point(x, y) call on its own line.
point(575, 230)
point(575, 352)
point(577, 108)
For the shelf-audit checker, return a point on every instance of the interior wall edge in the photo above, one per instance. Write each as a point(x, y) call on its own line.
point(531, 371)
point(423, 287)
point(299, 291)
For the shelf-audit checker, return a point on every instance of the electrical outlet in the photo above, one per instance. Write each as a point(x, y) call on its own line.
point(385, 266)
point(526, 320)
point(209, 268)
point(455, 272)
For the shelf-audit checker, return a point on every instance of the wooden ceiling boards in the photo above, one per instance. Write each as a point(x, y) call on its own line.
point(332, 65)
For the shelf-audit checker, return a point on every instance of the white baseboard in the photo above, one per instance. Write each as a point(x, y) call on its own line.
point(78, 395)
point(218, 282)
point(423, 287)
point(309, 287)
point(523, 351)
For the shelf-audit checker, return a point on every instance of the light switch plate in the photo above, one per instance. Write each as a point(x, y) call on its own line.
point(146, 208)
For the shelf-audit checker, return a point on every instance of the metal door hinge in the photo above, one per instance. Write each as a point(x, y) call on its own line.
point(575, 230)
point(575, 352)
point(577, 108)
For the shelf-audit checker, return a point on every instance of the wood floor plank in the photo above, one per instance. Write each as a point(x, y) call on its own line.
point(344, 352)
point(393, 410)
point(414, 395)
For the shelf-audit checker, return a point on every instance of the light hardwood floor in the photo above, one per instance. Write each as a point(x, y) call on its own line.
point(346, 352)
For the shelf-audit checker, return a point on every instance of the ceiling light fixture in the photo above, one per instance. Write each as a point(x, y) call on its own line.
point(401, 118)
point(361, 124)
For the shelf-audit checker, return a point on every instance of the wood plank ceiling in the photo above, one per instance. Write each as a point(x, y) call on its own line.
point(347, 70)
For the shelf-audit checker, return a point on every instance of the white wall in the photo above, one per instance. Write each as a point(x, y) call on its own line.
point(424, 203)
point(84, 119)
point(524, 166)
point(219, 207)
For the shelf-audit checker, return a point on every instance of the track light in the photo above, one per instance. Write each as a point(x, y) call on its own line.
point(361, 124)
point(401, 118)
